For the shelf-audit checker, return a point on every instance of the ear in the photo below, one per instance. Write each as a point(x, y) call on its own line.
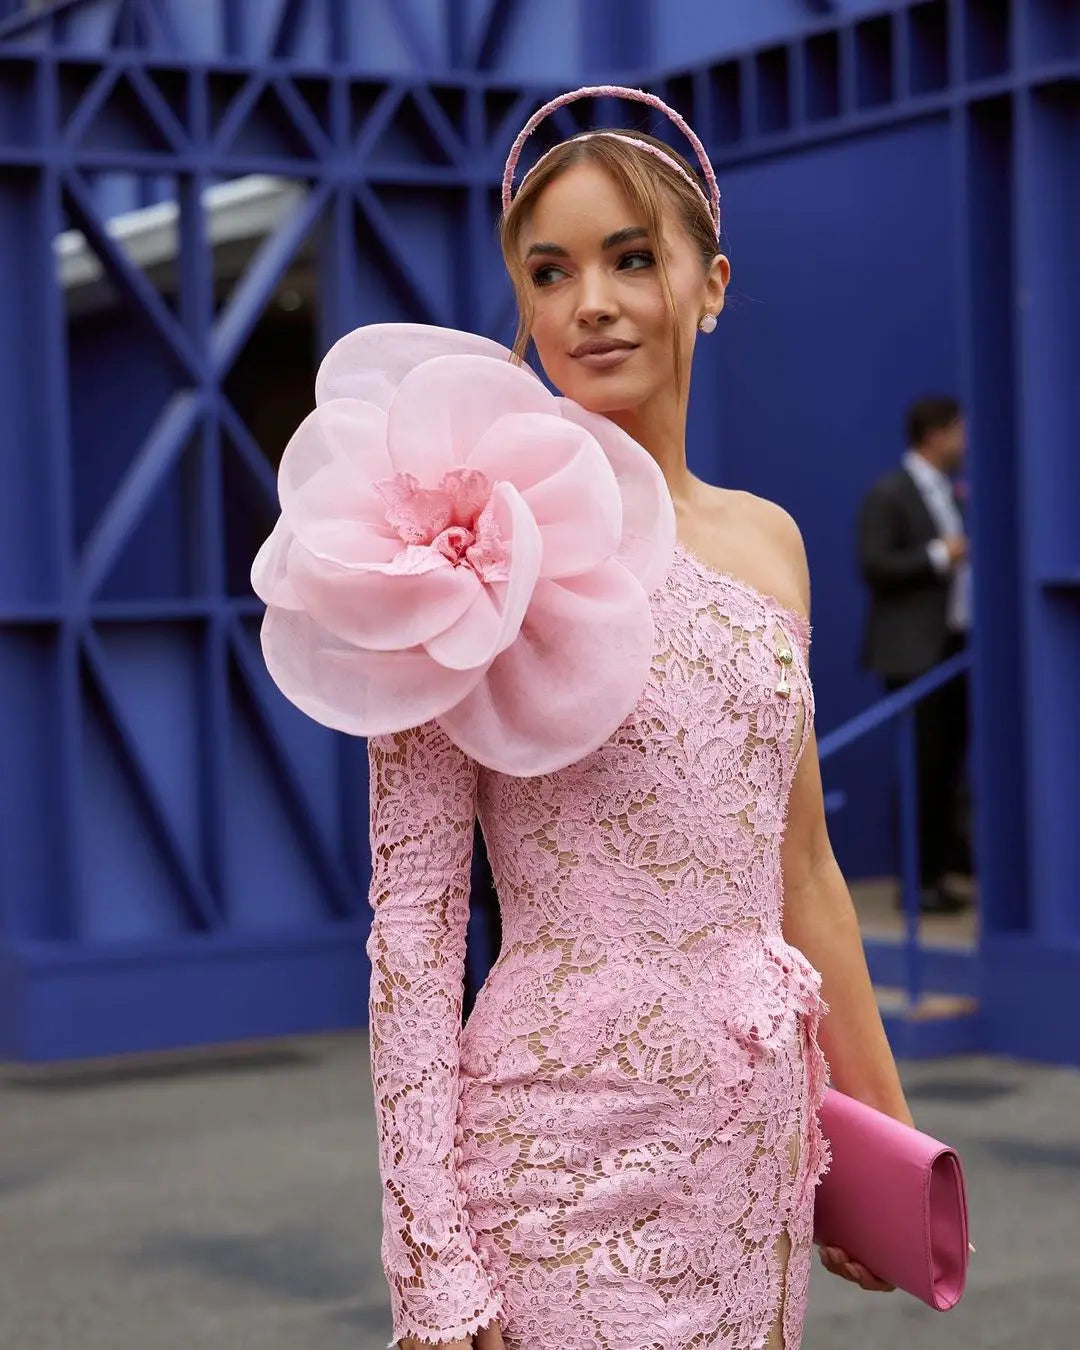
point(716, 283)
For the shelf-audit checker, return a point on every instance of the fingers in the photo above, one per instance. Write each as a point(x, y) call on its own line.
point(837, 1262)
point(489, 1338)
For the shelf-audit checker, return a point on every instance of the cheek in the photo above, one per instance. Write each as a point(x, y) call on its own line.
point(647, 306)
point(544, 336)
point(688, 303)
point(654, 315)
point(548, 337)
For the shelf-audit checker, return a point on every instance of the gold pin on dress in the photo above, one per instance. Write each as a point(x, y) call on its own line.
point(785, 656)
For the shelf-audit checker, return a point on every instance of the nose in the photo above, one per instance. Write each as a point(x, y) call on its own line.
point(596, 304)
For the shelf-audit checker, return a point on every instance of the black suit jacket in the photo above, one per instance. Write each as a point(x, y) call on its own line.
point(907, 623)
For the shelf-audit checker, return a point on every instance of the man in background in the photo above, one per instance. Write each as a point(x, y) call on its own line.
point(913, 554)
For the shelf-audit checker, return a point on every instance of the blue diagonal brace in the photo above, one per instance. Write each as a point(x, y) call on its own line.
point(283, 43)
point(34, 21)
point(236, 113)
point(439, 124)
point(341, 890)
point(165, 22)
point(303, 118)
point(375, 123)
point(248, 449)
point(90, 105)
point(127, 277)
point(165, 119)
point(399, 12)
point(158, 453)
point(256, 287)
point(382, 228)
point(510, 124)
point(490, 32)
point(201, 903)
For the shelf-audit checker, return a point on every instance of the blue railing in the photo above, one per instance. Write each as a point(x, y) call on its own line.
point(900, 706)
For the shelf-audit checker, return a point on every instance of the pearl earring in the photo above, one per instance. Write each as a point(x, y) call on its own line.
point(707, 323)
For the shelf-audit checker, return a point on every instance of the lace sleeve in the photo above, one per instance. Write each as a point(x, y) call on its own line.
point(423, 801)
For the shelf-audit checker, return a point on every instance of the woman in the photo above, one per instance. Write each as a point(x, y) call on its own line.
point(621, 1147)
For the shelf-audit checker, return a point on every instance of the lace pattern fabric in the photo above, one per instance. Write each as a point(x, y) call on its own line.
point(620, 1149)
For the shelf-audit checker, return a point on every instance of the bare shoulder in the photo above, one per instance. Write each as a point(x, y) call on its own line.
point(782, 532)
point(766, 542)
point(780, 525)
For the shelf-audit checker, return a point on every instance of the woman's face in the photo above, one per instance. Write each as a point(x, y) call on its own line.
point(601, 322)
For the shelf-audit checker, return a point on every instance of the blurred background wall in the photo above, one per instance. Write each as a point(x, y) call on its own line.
point(196, 200)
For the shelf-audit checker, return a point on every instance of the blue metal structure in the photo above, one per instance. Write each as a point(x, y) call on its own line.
point(182, 855)
point(916, 1027)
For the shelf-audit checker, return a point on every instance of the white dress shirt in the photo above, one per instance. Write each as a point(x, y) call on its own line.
point(936, 490)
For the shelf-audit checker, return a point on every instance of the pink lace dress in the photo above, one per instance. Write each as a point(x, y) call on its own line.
point(620, 1148)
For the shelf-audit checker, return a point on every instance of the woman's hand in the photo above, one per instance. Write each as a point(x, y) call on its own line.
point(837, 1262)
point(490, 1338)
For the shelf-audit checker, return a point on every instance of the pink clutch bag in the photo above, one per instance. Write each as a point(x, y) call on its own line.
point(894, 1200)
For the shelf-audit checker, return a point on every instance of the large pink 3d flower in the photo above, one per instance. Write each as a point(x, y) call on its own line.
point(456, 543)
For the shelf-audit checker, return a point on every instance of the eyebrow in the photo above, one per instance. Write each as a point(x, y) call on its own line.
point(623, 236)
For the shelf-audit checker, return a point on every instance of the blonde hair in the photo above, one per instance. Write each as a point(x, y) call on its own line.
point(644, 180)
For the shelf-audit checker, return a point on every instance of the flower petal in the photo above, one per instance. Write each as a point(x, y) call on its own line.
point(344, 687)
point(269, 572)
point(383, 607)
point(567, 482)
point(443, 407)
point(372, 361)
point(494, 619)
point(325, 482)
point(572, 677)
point(648, 540)
point(349, 542)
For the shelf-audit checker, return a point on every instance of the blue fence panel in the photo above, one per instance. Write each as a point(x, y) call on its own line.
point(183, 857)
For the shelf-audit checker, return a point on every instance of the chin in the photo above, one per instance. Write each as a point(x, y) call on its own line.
point(604, 394)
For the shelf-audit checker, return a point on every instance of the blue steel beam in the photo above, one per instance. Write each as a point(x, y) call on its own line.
point(382, 227)
point(251, 296)
point(247, 448)
point(167, 122)
point(164, 445)
point(496, 16)
point(203, 908)
point(401, 14)
point(128, 278)
point(301, 115)
point(340, 888)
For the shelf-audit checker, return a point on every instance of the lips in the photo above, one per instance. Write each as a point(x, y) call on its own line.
point(602, 347)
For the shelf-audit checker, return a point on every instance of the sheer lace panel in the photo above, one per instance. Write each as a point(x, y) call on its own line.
point(630, 1130)
point(423, 794)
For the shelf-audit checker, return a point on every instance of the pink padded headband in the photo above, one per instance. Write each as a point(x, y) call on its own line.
point(712, 202)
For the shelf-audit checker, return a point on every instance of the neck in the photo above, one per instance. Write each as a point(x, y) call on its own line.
point(660, 427)
point(930, 458)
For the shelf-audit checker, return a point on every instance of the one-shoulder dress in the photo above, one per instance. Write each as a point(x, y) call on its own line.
point(620, 1148)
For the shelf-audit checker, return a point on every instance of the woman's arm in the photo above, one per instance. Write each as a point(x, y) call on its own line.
point(819, 917)
point(820, 920)
point(423, 804)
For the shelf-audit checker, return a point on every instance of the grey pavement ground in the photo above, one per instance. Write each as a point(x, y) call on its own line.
point(229, 1199)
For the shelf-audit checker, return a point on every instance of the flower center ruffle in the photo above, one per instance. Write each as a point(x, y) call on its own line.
point(454, 521)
